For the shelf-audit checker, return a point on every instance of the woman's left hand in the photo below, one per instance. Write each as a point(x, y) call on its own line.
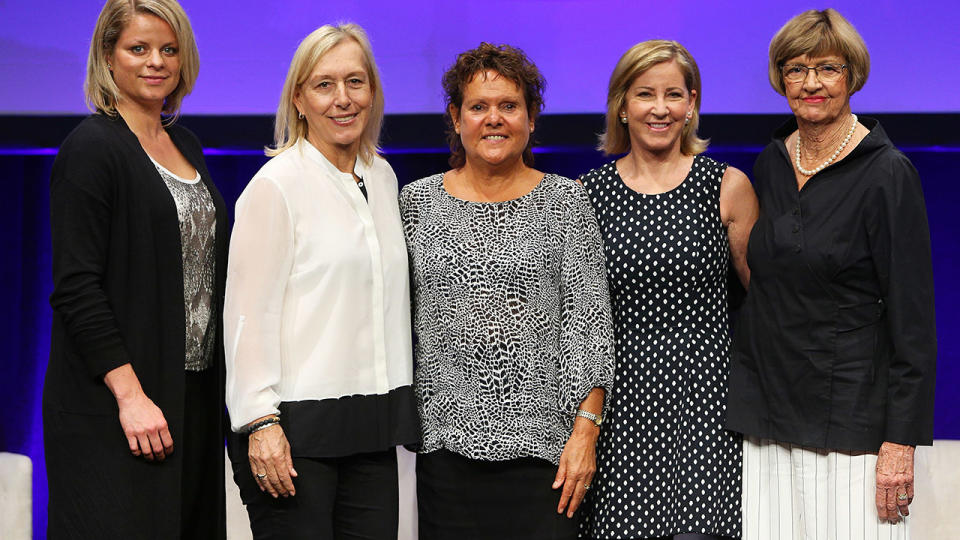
point(578, 463)
point(894, 481)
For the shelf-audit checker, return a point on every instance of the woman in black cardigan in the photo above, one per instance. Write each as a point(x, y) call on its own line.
point(133, 398)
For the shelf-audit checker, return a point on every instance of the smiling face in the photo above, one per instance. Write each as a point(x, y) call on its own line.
point(145, 62)
point(493, 123)
point(656, 107)
point(335, 100)
point(813, 100)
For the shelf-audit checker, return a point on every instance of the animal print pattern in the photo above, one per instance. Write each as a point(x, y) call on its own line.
point(512, 317)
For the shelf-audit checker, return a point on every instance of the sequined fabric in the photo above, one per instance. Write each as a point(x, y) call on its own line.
point(197, 217)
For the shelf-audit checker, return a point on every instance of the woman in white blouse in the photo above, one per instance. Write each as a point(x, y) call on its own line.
point(317, 312)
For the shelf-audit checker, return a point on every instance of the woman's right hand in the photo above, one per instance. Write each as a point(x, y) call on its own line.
point(145, 427)
point(142, 421)
point(270, 461)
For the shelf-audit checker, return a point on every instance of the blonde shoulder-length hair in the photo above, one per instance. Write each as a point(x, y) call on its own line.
point(638, 59)
point(289, 128)
point(99, 88)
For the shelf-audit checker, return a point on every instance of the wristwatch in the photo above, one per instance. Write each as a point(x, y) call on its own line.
point(597, 419)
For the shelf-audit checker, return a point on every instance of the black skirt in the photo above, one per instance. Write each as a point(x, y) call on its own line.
point(461, 498)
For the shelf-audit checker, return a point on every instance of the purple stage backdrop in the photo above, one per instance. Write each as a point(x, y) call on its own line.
point(246, 46)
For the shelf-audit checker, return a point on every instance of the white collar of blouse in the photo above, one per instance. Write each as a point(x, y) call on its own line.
point(360, 167)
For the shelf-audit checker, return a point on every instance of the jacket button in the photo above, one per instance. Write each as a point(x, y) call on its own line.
point(796, 248)
point(796, 211)
point(796, 229)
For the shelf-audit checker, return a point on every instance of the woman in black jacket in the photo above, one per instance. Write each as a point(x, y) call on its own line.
point(133, 398)
point(834, 360)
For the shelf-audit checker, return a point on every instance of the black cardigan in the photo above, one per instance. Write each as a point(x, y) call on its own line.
point(836, 345)
point(118, 298)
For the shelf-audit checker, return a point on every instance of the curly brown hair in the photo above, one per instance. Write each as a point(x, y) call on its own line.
point(509, 62)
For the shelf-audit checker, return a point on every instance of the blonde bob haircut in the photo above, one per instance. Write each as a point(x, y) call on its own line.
point(819, 33)
point(638, 59)
point(100, 90)
point(289, 128)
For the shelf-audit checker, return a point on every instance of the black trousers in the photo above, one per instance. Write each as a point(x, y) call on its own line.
point(465, 499)
point(353, 497)
point(202, 511)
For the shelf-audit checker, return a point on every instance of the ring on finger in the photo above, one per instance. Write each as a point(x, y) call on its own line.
point(586, 486)
point(261, 476)
point(902, 497)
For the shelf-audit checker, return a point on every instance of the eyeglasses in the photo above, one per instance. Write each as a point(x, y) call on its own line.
point(825, 72)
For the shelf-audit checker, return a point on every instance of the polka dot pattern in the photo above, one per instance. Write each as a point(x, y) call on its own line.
point(665, 464)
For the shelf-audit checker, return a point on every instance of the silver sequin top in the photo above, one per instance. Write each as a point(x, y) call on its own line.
point(197, 237)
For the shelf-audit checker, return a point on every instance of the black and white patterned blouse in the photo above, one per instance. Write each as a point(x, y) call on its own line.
point(512, 317)
point(197, 217)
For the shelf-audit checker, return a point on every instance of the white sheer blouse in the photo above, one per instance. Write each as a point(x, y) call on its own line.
point(317, 299)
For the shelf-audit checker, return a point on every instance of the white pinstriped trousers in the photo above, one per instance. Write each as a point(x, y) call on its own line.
point(797, 493)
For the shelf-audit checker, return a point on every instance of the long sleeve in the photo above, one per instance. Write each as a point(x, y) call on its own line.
point(260, 260)
point(82, 199)
point(900, 244)
point(586, 336)
point(512, 317)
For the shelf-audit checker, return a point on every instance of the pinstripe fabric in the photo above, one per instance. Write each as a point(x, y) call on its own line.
point(798, 493)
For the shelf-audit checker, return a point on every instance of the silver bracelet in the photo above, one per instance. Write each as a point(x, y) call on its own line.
point(266, 422)
point(264, 426)
point(597, 419)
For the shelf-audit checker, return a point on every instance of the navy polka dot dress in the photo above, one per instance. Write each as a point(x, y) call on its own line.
point(665, 464)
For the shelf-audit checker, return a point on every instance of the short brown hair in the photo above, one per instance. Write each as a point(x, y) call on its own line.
point(819, 33)
point(510, 63)
point(638, 59)
point(289, 126)
point(99, 88)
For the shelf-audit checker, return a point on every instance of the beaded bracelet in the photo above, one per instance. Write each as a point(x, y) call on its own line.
point(265, 423)
point(265, 426)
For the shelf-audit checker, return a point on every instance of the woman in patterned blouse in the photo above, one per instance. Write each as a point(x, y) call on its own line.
point(512, 317)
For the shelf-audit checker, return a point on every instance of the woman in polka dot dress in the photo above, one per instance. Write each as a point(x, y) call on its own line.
point(672, 221)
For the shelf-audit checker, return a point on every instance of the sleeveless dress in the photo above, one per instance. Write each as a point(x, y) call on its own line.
point(665, 464)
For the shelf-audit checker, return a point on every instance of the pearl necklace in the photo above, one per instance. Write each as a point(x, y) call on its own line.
point(840, 148)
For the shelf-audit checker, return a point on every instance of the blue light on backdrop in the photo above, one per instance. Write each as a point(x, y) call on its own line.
point(25, 272)
point(245, 51)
